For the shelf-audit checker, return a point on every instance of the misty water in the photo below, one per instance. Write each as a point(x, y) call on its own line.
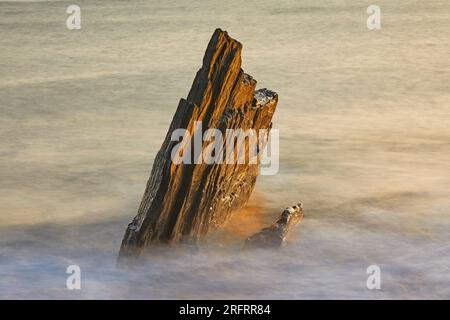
point(364, 120)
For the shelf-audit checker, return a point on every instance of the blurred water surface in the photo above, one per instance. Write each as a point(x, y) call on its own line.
point(364, 125)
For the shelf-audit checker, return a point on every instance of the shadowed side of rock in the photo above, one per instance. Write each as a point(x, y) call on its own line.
point(184, 202)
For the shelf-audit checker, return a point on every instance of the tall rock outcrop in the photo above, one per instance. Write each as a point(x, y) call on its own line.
point(185, 202)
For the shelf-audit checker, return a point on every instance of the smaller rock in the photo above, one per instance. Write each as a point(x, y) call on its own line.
point(275, 234)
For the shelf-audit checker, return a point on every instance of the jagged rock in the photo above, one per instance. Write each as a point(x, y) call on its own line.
point(275, 234)
point(188, 201)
